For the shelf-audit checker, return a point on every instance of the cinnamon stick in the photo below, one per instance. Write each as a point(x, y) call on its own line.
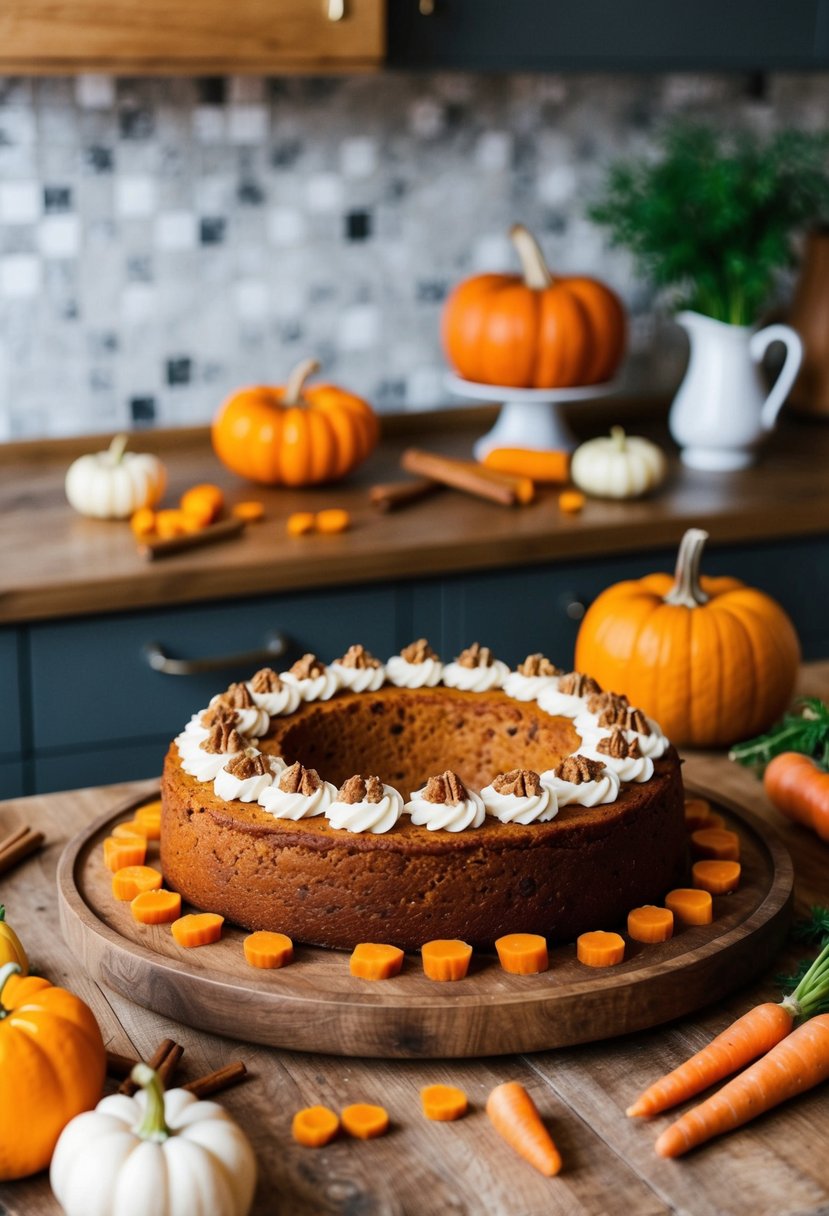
point(24, 844)
point(215, 1082)
point(390, 496)
point(156, 1061)
point(13, 837)
point(466, 475)
point(226, 530)
point(169, 1064)
point(118, 1065)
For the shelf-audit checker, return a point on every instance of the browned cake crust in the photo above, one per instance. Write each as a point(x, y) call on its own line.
point(583, 870)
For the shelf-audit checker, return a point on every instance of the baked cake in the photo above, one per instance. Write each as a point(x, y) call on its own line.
point(413, 800)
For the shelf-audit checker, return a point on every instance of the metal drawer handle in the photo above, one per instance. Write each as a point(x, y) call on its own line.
point(275, 647)
point(335, 9)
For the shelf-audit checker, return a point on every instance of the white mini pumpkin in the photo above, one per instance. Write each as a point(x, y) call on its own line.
point(618, 466)
point(164, 1154)
point(114, 483)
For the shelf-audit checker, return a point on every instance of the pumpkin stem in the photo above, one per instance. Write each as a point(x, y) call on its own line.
point(153, 1126)
point(617, 434)
point(534, 268)
point(117, 448)
point(8, 969)
point(2, 912)
point(686, 591)
point(296, 380)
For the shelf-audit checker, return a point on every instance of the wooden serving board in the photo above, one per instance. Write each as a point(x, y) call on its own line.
point(315, 1004)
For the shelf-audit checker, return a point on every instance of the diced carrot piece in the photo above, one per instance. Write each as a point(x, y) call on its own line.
point(203, 503)
point(717, 877)
point(650, 924)
point(268, 950)
point(132, 880)
point(314, 1126)
point(142, 522)
point(375, 961)
point(300, 523)
point(697, 814)
point(156, 907)
point(716, 843)
point(120, 853)
point(333, 520)
point(364, 1121)
point(690, 906)
point(198, 929)
point(571, 502)
point(600, 949)
point(129, 831)
point(170, 523)
point(443, 1103)
point(522, 953)
point(446, 959)
point(251, 512)
point(148, 818)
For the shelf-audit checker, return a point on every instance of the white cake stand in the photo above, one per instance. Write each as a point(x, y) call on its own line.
point(529, 417)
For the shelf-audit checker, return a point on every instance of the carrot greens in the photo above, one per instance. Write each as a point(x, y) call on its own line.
point(804, 730)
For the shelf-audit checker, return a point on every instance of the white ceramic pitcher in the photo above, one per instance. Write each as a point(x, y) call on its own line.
point(721, 410)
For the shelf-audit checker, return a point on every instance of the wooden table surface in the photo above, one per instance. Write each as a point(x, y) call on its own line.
point(777, 1166)
point(56, 563)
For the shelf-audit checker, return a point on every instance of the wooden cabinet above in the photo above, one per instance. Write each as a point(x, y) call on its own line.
point(202, 36)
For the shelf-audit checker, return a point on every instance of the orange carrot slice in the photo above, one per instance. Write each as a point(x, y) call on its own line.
point(443, 1103)
point(690, 905)
point(446, 959)
point(718, 877)
point(120, 853)
point(600, 949)
point(129, 831)
point(375, 961)
point(198, 929)
point(522, 953)
point(516, 1119)
point(571, 502)
point(548, 465)
point(170, 523)
point(156, 907)
point(650, 924)
point(142, 523)
point(251, 511)
point(132, 880)
point(364, 1121)
point(148, 819)
point(717, 844)
point(300, 523)
point(697, 814)
point(203, 503)
point(333, 520)
point(268, 950)
point(314, 1126)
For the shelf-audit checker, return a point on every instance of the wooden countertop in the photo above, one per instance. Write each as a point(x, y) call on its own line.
point(55, 563)
point(772, 1167)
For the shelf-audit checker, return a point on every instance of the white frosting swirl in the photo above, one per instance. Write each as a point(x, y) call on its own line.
point(364, 816)
point(283, 700)
point(413, 675)
point(517, 808)
point(475, 679)
point(205, 766)
point(585, 793)
point(629, 768)
point(652, 744)
point(527, 688)
point(283, 805)
point(232, 788)
point(251, 720)
point(446, 816)
point(316, 688)
point(360, 679)
point(561, 704)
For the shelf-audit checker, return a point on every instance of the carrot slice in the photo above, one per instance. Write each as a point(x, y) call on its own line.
point(650, 924)
point(600, 949)
point(718, 877)
point(132, 880)
point(314, 1126)
point(120, 853)
point(716, 843)
point(516, 1119)
point(571, 502)
point(148, 819)
point(443, 1103)
point(446, 959)
point(156, 907)
point(690, 905)
point(697, 814)
point(548, 465)
point(198, 929)
point(364, 1121)
point(268, 950)
point(375, 961)
point(300, 523)
point(129, 831)
point(171, 522)
point(251, 511)
point(142, 522)
point(335, 519)
point(203, 503)
point(522, 953)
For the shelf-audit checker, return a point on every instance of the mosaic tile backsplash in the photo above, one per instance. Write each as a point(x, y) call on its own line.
point(162, 241)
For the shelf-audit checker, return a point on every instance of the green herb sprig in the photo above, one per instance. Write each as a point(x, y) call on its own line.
point(814, 929)
point(804, 730)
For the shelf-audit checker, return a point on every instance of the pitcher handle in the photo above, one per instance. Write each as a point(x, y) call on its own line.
point(760, 342)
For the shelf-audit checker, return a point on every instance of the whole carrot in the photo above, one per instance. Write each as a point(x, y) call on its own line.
point(516, 1119)
point(795, 1065)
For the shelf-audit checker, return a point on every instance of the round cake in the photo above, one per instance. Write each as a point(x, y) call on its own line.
point(536, 803)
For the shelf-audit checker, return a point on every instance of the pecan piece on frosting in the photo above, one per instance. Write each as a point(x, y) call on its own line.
point(218, 713)
point(246, 765)
point(223, 737)
point(538, 665)
point(308, 667)
point(299, 780)
point(576, 684)
point(579, 769)
point(265, 680)
point(609, 707)
point(445, 788)
point(522, 782)
point(637, 721)
point(616, 745)
point(418, 652)
point(237, 696)
point(360, 789)
point(475, 655)
point(359, 658)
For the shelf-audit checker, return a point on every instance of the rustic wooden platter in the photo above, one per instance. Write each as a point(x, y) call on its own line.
point(316, 1005)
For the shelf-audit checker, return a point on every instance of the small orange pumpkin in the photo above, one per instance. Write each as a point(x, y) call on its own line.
point(52, 1065)
point(293, 435)
point(533, 332)
point(712, 660)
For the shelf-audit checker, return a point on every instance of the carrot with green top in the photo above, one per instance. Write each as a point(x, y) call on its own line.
point(516, 1119)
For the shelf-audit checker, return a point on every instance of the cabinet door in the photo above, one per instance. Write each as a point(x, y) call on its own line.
point(198, 35)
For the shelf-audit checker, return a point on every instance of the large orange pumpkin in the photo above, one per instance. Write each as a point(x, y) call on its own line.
point(293, 435)
point(533, 331)
point(52, 1064)
point(712, 660)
